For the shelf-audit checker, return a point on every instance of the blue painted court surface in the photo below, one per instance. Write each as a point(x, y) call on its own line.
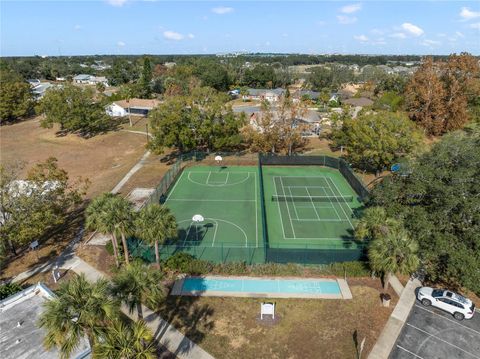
point(297, 286)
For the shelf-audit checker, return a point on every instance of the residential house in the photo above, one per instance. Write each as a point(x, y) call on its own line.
point(135, 106)
point(90, 80)
point(273, 95)
point(311, 95)
point(20, 335)
point(310, 122)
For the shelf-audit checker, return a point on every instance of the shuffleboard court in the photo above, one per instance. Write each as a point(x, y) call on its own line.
point(308, 206)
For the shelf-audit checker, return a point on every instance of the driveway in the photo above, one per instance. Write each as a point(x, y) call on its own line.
point(431, 333)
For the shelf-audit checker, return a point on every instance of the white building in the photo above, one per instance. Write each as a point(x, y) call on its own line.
point(273, 95)
point(20, 335)
point(135, 106)
point(90, 80)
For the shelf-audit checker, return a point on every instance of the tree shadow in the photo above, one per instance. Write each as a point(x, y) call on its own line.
point(101, 128)
point(189, 317)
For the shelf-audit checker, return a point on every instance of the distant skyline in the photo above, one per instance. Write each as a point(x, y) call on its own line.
point(67, 27)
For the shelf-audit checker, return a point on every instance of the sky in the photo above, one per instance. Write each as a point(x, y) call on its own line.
point(66, 27)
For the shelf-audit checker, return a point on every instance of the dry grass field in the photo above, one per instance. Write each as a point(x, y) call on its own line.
point(103, 159)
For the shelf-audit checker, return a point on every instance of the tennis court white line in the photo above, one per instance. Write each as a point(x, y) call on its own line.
point(334, 208)
point(294, 207)
point(313, 204)
point(318, 220)
point(211, 200)
point(278, 205)
point(302, 176)
point(320, 238)
point(307, 186)
point(338, 190)
point(450, 320)
point(288, 209)
point(409, 352)
point(340, 204)
point(444, 341)
point(208, 177)
point(174, 186)
point(226, 180)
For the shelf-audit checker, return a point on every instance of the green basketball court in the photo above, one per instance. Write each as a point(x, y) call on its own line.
point(227, 198)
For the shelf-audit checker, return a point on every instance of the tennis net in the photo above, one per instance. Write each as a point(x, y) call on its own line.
point(279, 198)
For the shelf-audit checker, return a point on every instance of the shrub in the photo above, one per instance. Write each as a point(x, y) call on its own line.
point(180, 262)
point(109, 249)
point(352, 269)
point(199, 267)
point(6, 290)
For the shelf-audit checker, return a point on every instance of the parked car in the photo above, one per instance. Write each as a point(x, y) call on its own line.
point(453, 303)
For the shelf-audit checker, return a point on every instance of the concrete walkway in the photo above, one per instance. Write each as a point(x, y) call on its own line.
point(395, 323)
point(165, 333)
point(130, 173)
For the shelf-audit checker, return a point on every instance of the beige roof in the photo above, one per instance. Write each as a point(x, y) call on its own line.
point(361, 101)
point(138, 102)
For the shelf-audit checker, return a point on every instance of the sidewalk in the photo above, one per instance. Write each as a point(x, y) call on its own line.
point(395, 323)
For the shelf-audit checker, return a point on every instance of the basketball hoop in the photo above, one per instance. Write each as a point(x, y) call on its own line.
point(198, 218)
point(218, 159)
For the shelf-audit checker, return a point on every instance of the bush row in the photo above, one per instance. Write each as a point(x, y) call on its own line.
point(186, 263)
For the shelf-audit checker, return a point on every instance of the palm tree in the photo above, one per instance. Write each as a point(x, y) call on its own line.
point(375, 223)
point(122, 216)
point(99, 218)
point(137, 284)
point(80, 309)
point(126, 340)
point(155, 224)
point(393, 253)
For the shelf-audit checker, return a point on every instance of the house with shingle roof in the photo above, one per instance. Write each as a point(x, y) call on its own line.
point(134, 106)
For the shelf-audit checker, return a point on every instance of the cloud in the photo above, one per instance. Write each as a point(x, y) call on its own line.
point(77, 27)
point(121, 44)
point(222, 10)
point(459, 34)
point(321, 23)
point(468, 14)
point(475, 25)
point(172, 35)
point(361, 38)
point(412, 29)
point(398, 35)
point(350, 9)
point(176, 36)
point(430, 43)
point(345, 20)
point(117, 3)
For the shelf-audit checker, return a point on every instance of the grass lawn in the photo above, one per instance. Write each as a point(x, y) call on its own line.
point(306, 328)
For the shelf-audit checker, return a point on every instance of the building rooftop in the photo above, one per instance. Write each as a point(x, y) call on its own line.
point(82, 77)
point(20, 336)
point(138, 103)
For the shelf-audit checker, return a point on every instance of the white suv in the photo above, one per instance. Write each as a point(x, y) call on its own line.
point(457, 305)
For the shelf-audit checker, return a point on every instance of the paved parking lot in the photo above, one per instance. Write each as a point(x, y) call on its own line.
point(431, 333)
